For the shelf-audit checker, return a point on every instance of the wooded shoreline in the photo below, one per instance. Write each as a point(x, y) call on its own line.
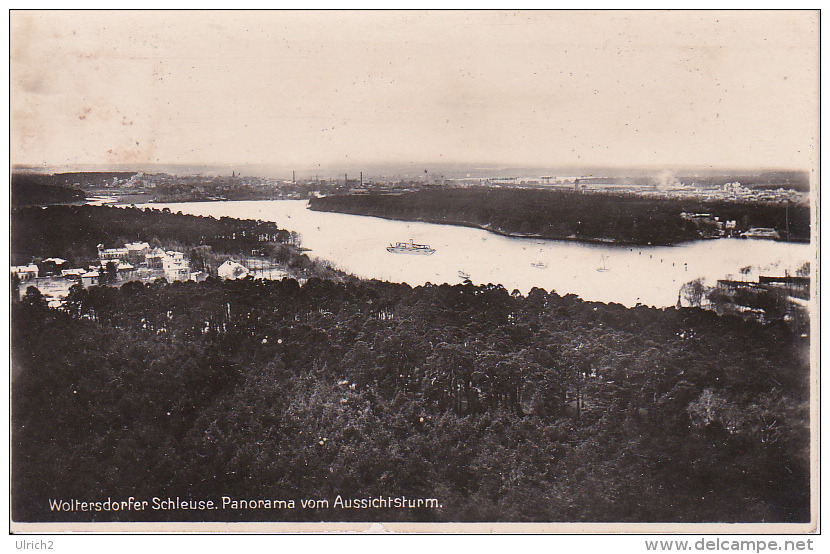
point(626, 220)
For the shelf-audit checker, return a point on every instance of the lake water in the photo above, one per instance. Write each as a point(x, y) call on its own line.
point(648, 275)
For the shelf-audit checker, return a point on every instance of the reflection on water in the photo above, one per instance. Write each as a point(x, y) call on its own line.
point(627, 275)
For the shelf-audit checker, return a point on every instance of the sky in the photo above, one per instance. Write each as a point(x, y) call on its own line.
point(338, 88)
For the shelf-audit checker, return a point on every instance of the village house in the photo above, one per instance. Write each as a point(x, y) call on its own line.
point(25, 272)
point(74, 274)
point(155, 258)
point(90, 278)
point(125, 272)
point(176, 267)
point(105, 255)
point(137, 252)
point(52, 266)
point(232, 270)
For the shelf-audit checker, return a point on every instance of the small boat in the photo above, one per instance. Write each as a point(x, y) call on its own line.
point(410, 248)
point(539, 264)
point(464, 275)
point(603, 265)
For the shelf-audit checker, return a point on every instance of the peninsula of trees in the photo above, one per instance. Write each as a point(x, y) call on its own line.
point(557, 214)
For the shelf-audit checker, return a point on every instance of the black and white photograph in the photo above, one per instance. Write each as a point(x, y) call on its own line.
point(427, 271)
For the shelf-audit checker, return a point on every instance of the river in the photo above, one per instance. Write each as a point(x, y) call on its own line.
point(650, 275)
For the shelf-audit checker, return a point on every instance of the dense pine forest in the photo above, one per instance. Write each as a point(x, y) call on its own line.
point(627, 219)
point(503, 407)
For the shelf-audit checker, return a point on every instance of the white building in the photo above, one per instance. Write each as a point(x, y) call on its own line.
point(107, 254)
point(176, 266)
point(74, 273)
point(90, 278)
point(25, 272)
point(232, 270)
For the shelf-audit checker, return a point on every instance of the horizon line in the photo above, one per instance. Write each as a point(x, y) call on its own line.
point(471, 166)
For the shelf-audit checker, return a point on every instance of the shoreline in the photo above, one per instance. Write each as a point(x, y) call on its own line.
point(585, 240)
point(509, 234)
point(483, 227)
point(121, 203)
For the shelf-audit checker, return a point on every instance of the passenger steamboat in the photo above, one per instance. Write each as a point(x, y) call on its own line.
point(410, 248)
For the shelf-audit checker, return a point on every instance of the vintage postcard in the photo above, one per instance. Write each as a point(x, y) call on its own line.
point(431, 271)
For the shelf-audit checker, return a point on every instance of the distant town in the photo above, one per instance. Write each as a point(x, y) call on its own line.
point(142, 187)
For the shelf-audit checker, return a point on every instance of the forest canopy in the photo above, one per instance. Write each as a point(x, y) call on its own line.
point(503, 407)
